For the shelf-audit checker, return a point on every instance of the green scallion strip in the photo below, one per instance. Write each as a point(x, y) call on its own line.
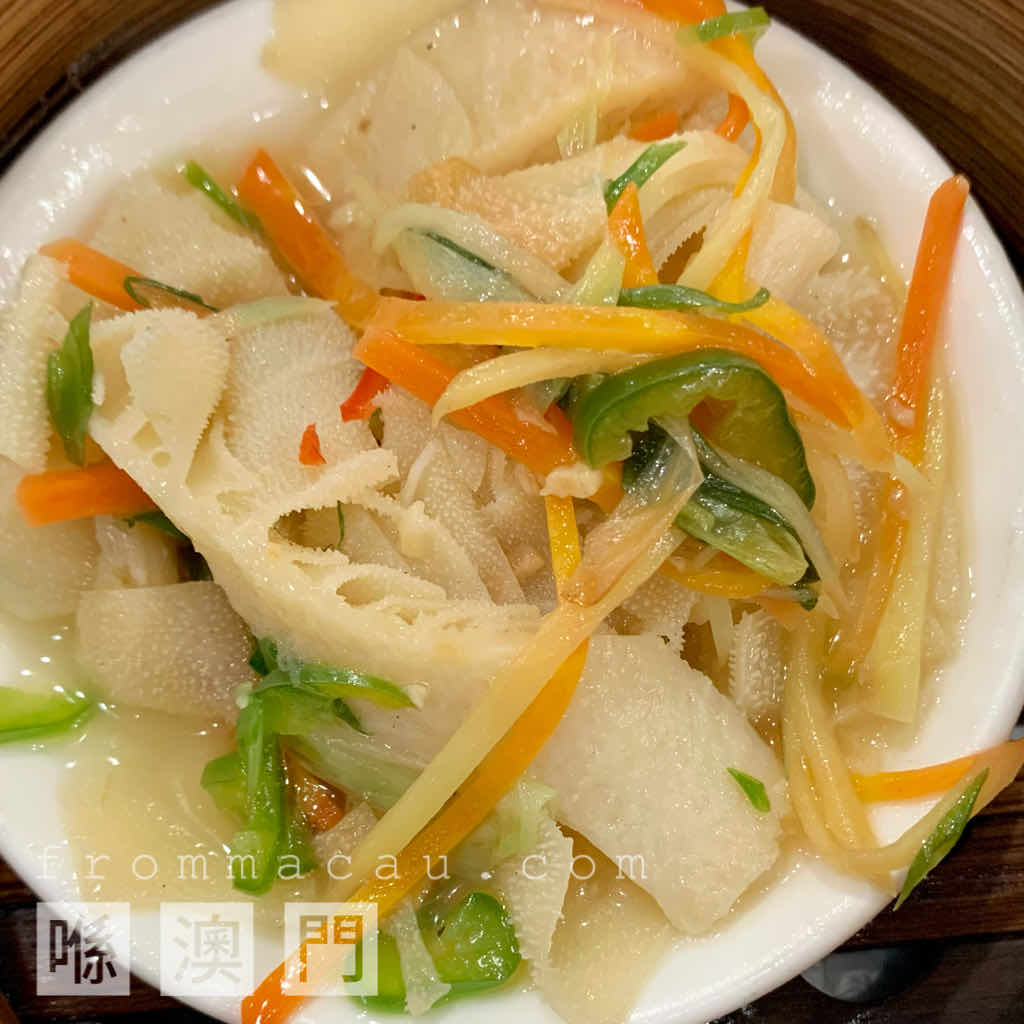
point(69, 386)
point(640, 170)
point(197, 177)
point(752, 24)
point(341, 525)
point(158, 521)
point(454, 247)
point(29, 716)
point(674, 296)
point(946, 835)
point(754, 790)
point(152, 294)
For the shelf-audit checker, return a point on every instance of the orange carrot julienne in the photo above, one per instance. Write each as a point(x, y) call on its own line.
point(96, 274)
point(626, 227)
point(309, 448)
point(59, 495)
point(303, 242)
point(925, 301)
point(736, 119)
point(360, 404)
point(658, 126)
point(495, 419)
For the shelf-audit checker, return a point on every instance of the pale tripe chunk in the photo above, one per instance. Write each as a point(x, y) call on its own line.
point(533, 888)
point(240, 490)
point(31, 327)
point(182, 240)
point(755, 666)
point(610, 941)
point(42, 568)
point(178, 648)
point(787, 248)
point(641, 765)
point(535, 65)
point(134, 554)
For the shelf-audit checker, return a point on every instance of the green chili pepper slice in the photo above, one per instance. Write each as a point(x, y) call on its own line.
point(751, 419)
point(473, 946)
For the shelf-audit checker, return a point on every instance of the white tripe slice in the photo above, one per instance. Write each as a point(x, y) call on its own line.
point(858, 314)
point(680, 219)
point(236, 498)
point(537, 64)
point(611, 938)
point(42, 568)
point(555, 210)
point(755, 665)
point(177, 239)
point(31, 326)
point(663, 607)
point(341, 840)
point(284, 377)
point(179, 648)
point(133, 555)
point(423, 986)
point(432, 478)
point(787, 248)
point(650, 741)
point(533, 887)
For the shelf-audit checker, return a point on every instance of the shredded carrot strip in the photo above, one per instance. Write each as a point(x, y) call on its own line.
point(925, 301)
point(303, 242)
point(1004, 762)
point(360, 404)
point(494, 777)
point(96, 274)
point(659, 126)
point(736, 119)
point(59, 495)
point(626, 227)
point(908, 398)
point(309, 448)
point(806, 369)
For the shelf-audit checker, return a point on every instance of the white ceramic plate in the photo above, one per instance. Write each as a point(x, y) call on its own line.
point(855, 150)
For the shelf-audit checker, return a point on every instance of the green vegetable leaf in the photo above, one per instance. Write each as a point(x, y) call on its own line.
point(158, 521)
point(197, 177)
point(341, 526)
point(224, 780)
point(752, 23)
point(69, 386)
point(674, 296)
point(946, 835)
point(754, 790)
point(152, 294)
point(640, 170)
point(264, 656)
point(29, 716)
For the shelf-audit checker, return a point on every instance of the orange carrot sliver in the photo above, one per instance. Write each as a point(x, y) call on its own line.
point(309, 448)
point(736, 119)
point(303, 242)
point(925, 300)
point(659, 126)
point(626, 227)
point(722, 576)
point(360, 404)
point(59, 495)
point(914, 783)
point(97, 275)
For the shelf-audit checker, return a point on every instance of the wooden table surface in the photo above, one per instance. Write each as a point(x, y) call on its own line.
point(955, 68)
